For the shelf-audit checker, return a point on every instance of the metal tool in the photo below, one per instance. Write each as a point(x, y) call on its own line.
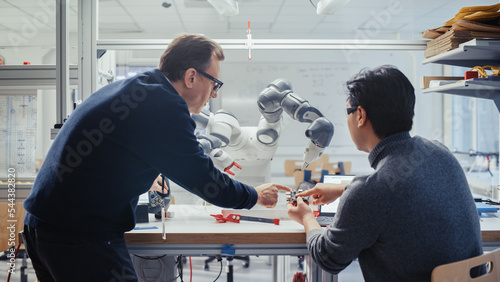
point(236, 218)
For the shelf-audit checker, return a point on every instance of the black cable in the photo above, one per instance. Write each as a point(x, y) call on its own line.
point(149, 258)
point(162, 183)
point(487, 201)
point(220, 272)
point(180, 267)
point(312, 3)
point(492, 202)
point(179, 259)
point(174, 279)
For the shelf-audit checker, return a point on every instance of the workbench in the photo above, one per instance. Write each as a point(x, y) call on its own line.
point(490, 230)
point(192, 231)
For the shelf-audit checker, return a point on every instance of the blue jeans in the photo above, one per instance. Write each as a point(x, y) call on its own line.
point(58, 256)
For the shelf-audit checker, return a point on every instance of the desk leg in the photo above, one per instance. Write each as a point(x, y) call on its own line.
point(275, 268)
point(328, 277)
point(281, 268)
point(229, 269)
point(315, 273)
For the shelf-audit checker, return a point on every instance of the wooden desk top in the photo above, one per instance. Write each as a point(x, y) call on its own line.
point(194, 225)
point(490, 227)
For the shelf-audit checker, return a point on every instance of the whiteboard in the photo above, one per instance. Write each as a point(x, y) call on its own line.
point(321, 84)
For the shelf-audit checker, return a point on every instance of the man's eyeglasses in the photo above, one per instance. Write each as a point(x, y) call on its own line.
point(350, 110)
point(218, 83)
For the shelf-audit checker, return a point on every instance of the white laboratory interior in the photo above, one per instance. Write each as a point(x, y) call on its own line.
point(55, 54)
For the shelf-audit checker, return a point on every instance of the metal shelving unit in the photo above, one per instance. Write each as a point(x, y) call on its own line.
point(471, 88)
point(469, 54)
point(477, 52)
point(33, 76)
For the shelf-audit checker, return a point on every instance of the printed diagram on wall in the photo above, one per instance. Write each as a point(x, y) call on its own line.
point(18, 120)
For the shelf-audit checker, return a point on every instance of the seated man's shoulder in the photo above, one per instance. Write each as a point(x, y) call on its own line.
point(429, 144)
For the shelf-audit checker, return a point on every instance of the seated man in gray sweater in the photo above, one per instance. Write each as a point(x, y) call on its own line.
point(413, 213)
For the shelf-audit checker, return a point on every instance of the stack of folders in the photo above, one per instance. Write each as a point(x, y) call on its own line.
point(453, 38)
point(477, 22)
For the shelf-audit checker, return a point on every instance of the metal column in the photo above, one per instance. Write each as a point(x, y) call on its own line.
point(315, 273)
point(87, 47)
point(62, 61)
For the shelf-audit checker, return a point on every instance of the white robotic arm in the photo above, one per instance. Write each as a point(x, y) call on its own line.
point(220, 127)
point(225, 141)
point(278, 96)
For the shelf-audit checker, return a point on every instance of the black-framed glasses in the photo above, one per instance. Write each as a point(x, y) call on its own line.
point(218, 83)
point(350, 110)
point(353, 101)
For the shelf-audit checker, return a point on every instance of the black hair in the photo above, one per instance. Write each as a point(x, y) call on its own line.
point(387, 96)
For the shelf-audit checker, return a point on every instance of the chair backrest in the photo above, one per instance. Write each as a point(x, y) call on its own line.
point(460, 271)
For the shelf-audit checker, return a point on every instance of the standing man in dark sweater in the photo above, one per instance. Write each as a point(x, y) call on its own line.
point(413, 213)
point(109, 152)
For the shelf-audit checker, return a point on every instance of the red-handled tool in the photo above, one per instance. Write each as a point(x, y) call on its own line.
point(236, 218)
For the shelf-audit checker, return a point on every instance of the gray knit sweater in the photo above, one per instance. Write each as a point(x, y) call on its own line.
point(413, 213)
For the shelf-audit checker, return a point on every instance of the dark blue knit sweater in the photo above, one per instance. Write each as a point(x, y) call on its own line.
point(413, 213)
point(109, 152)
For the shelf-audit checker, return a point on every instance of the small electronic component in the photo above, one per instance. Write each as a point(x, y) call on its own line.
point(291, 197)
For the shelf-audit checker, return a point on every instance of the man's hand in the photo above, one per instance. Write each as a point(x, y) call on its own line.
point(268, 194)
point(324, 193)
point(299, 211)
point(157, 185)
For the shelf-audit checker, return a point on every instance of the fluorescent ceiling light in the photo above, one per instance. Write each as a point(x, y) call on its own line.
point(328, 7)
point(225, 7)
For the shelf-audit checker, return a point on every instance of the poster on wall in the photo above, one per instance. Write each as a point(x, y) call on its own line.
point(18, 121)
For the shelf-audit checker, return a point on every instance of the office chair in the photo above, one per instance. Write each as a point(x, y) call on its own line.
point(245, 259)
point(229, 259)
point(460, 270)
